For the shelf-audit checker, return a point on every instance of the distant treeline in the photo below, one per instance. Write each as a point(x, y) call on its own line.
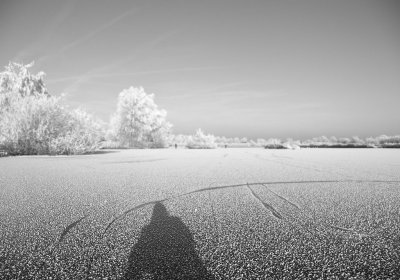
point(382, 141)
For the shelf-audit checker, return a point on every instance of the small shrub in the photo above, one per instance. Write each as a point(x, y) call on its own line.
point(201, 141)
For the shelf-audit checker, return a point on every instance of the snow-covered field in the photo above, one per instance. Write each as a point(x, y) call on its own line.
point(321, 213)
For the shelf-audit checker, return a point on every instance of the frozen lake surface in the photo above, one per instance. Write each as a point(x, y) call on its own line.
point(349, 227)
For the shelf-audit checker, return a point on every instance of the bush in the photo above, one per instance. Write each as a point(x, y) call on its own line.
point(201, 141)
point(274, 143)
point(41, 125)
point(83, 135)
point(389, 141)
point(275, 146)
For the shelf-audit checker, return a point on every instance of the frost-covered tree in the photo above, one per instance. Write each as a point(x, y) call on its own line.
point(274, 141)
point(34, 122)
point(201, 141)
point(253, 143)
point(344, 141)
point(291, 144)
point(388, 141)
point(16, 82)
point(179, 139)
point(357, 140)
point(138, 122)
point(333, 140)
point(261, 141)
point(17, 79)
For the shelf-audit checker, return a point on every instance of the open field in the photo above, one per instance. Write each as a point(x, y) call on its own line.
point(323, 213)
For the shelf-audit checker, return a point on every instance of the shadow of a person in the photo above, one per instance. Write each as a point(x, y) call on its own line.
point(165, 250)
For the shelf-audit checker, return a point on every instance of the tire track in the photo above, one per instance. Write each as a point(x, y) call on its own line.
point(70, 227)
point(283, 198)
point(266, 205)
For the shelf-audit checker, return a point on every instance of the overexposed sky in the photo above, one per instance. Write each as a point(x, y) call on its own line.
point(234, 68)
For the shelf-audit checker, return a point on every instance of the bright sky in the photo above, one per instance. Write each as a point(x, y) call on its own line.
point(235, 68)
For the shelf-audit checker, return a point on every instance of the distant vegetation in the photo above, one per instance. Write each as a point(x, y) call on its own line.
point(34, 122)
point(382, 141)
point(201, 141)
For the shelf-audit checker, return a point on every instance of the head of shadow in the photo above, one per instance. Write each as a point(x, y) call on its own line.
point(165, 250)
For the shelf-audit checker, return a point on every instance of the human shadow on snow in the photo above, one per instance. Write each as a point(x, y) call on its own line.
point(165, 250)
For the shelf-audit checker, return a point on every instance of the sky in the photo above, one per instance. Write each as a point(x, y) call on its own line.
point(256, 69)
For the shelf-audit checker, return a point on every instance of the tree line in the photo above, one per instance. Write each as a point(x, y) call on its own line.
point(32, 121)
